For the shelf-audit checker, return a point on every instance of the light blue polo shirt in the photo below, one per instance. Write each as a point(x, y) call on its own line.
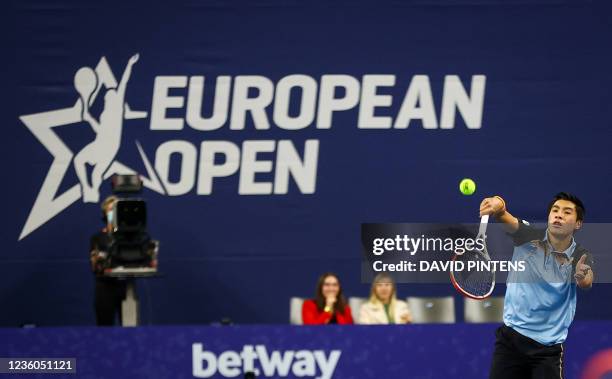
point(540, 302)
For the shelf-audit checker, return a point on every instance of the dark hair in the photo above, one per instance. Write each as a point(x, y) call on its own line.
point(569, 197)
point(320, 299)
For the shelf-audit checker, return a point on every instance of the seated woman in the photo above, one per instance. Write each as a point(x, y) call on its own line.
point(383, 306)
point(329, 305)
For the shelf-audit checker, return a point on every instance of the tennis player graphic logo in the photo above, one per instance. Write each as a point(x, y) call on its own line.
point(98, 160)
point(101, 152)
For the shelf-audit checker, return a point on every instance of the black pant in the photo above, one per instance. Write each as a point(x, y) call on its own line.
point(108, 297)
point(517, 356)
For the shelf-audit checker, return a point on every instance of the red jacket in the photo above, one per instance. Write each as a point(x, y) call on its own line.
point(312, 316)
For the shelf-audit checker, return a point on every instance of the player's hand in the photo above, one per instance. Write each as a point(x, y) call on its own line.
point(134, 58)
point(491, 206)
point(582, 269)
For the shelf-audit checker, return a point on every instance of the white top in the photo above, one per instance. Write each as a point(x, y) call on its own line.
point(370, 313)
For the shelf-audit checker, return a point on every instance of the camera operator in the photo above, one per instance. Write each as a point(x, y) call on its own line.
point(109, 292)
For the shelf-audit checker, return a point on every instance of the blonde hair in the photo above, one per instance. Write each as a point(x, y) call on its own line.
point(386, 278)
point(107, 201)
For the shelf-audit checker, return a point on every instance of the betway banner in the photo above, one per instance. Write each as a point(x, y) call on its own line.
point(267, 132)
point(396, 351)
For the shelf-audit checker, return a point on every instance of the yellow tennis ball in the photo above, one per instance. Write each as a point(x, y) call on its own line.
point(467, 186)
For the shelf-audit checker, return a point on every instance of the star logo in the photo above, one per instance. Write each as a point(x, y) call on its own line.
point(100, 153)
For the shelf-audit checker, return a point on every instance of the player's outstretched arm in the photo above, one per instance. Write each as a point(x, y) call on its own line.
point(126, 75)
point(496, 206)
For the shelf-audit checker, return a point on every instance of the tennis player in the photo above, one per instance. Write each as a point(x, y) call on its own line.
point(540, 302)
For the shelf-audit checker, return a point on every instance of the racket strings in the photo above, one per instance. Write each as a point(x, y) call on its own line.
point(475, 282)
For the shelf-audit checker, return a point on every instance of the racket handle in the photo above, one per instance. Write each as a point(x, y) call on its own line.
point(484, 220)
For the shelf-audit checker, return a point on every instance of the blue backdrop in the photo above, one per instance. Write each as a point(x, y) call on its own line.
point(542, 126)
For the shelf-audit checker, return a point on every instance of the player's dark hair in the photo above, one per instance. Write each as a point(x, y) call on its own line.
point(569, 197)
point(320, 299)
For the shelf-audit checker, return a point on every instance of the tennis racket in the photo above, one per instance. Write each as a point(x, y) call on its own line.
point(475, 283)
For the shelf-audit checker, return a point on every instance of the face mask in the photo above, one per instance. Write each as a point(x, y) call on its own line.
point(109, 217)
